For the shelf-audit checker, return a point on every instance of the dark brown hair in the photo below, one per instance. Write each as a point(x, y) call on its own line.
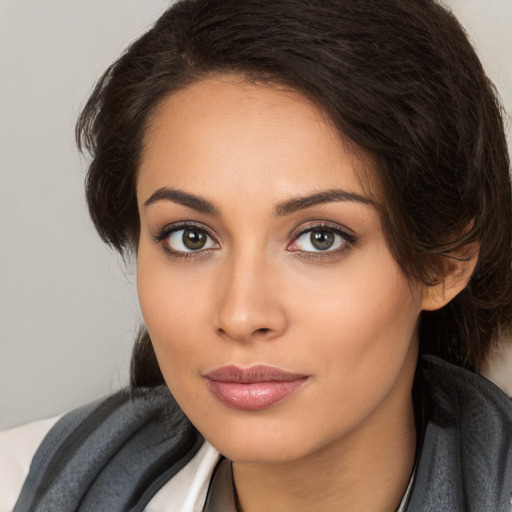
point(398, 78)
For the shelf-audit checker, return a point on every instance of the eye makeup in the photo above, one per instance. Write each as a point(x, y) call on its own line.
point(317, 240)
point(321, 240)
point(195, 241)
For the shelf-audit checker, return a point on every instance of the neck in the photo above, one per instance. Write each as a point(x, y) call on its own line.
point(368, 469)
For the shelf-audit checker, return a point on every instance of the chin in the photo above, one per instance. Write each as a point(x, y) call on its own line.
point(247, 452)
point(260, 441)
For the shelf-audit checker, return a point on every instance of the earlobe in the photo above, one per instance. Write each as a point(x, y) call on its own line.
point(457, 272)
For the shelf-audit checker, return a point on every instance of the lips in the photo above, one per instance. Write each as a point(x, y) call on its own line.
point(253, 388)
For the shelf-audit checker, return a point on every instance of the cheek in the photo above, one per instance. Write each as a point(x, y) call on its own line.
point(363, 319)
point(173, 311)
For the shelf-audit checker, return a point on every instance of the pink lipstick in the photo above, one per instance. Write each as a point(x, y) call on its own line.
point(253, 388)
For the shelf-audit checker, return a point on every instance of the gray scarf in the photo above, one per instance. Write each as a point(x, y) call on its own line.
point(115, 454)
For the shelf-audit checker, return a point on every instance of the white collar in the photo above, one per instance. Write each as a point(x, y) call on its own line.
point(186, 491)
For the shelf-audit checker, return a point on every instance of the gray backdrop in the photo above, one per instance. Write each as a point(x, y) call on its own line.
point(68, 308)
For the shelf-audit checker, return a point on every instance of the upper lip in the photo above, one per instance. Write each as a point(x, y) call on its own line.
point(256, 373)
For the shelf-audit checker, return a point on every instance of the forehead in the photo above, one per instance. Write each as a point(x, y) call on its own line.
point(224, 133)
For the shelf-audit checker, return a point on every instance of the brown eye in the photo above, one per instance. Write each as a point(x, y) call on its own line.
point(187, 239)
point(322, 240)
point(194, 239)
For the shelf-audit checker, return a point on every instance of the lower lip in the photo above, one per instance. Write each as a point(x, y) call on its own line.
point(253, 396)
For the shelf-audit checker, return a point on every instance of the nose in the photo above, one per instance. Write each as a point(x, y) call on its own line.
point(247, 303)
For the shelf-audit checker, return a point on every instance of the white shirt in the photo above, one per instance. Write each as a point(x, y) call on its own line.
point(185, 492)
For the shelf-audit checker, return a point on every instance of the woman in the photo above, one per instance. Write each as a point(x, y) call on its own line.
point(318, 197)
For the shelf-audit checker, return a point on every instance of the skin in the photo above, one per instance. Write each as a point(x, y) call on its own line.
point(258, 293)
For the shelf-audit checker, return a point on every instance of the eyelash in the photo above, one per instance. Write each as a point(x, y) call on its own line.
point(348, 241)
point(167, 231)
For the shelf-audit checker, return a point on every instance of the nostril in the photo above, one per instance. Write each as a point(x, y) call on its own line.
point(263, 330)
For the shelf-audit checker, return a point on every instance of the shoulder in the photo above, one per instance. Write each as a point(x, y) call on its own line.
point(17, 447)
point(467, 397)
point(111, 454)
point(498, 366)
point(465, 454)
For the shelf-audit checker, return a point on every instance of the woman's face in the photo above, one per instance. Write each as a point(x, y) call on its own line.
point(280, 320)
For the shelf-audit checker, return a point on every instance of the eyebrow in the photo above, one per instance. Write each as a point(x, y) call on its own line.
point(178, 196)
point(281, 210)
point(327, 196)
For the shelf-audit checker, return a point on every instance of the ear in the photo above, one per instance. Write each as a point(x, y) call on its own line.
point(457, 270)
